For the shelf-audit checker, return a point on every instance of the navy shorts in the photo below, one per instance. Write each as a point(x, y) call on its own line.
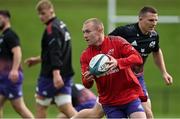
point(9, 89)
point(86, 105)
point(143, 86)
point(45, 87)
point(123, 111)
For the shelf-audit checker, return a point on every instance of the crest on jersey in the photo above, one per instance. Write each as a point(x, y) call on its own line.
point(152, 44)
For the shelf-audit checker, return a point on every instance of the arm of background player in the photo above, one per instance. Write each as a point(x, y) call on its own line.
point(17, 55)
point(130, 56)
point(55, 52)
point(55, 55)
point(32, 61)
point(13, 75)
point(159, 61)
point(57, 79)
point(84, 72)
point(13, 43)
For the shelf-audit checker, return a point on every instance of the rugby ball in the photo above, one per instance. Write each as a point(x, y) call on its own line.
point(97, 64)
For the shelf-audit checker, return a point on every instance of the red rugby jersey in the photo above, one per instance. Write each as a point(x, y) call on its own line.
point(119, 86)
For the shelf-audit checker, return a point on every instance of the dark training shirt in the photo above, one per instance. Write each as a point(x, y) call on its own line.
point(56, 49)
point(8, 40)
point(144, 44)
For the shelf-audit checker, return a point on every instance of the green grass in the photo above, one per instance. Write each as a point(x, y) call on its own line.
point(73, 12)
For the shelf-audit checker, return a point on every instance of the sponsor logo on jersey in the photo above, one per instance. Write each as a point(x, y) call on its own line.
point(109, 72)
point(152, 44)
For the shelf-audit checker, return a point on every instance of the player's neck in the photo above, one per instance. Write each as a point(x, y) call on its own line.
point(50, 19)
point(142, 30)
point(100, 40)
point(6, 27)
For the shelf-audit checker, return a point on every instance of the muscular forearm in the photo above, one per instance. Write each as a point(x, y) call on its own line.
point(38, 59)
point(16, 57)
point(159, 61)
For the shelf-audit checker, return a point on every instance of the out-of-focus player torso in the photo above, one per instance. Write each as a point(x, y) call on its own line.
point(8, 40)
point(82, 97)
point(144, 44)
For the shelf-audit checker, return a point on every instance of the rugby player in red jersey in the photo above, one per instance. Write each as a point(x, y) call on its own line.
point(118, 89)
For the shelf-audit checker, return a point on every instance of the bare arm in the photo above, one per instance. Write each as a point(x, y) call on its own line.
point(159, 61)
point(17, 55)
point(57, 79)
point(32, 61)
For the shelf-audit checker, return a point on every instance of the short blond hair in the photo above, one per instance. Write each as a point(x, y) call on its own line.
point(97, 22)
point(44, 4)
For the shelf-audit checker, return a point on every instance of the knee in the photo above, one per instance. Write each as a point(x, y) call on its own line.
point(148, 111)
point(68, 109)
point(98, 113)
point(18, 108)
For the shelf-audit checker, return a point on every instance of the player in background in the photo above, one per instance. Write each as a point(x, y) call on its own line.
point(82, 98)
point(55, 78)
point(11, 76)
point(118, 89)
point(145, 39)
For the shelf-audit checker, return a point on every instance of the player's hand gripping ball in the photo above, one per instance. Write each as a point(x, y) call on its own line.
point(98, 65)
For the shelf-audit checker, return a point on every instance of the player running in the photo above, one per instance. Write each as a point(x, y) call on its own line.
point(145, 39)
point(119, 89)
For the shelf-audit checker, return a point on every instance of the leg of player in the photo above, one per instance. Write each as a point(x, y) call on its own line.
point(20, 107)
point(41, 111)
point(138, 115)
point(61, 116)
point(42, 104)
point(95, 112)
point(147, 108)
point(63, 102)
point(2, 101)
point(136, 110)
point(147, 104)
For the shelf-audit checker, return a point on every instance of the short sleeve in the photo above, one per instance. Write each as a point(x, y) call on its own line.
point(12, 40)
